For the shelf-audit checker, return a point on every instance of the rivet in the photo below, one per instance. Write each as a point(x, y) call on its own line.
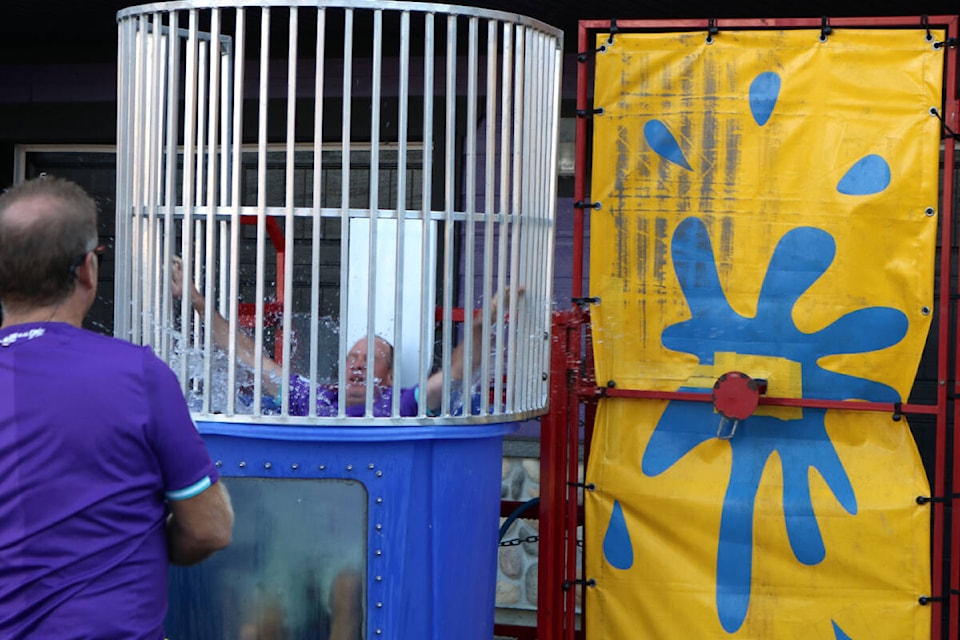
point(322, 467)
point(379, 631)
point(378, 526)
point(929, 211)
point(219, 463)
point(242, 464)
point(267, 465)
point(544, 376)
point(379, 500)
point(294, 466)
point(349, 467)
point(379, 605)
point(371, 466)
point(379, 474)
point(378, 552)
point(378, 578)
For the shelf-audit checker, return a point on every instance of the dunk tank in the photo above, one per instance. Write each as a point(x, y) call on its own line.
point(329, 174)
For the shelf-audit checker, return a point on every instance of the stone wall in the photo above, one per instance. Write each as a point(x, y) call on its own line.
point(518, 563)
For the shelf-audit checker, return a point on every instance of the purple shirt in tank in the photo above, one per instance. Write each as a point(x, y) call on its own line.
point(95, 436)
point(328, 398)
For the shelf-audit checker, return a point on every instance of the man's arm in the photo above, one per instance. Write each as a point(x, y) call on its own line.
point(246, 348)
point(199, 526)
point(434, 391)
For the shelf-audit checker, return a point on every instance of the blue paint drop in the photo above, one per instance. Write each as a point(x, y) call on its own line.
point(764, 91)
point(664, 143)
point(838, 632)
point(870, 175)
point(617, 547)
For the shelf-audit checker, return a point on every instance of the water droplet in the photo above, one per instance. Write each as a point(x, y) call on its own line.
point(764, 91)
point(871, 174)
point(664, 143)
point(617, 547)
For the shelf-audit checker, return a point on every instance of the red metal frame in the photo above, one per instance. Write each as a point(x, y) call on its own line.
point(272, 311)
point(556, 614)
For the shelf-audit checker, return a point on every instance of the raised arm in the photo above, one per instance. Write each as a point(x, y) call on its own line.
point(246, 348)
point(434, 390)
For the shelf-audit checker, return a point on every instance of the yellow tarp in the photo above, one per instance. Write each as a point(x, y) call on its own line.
point(768, 205)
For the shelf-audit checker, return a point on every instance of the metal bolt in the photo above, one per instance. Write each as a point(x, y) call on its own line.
point(378, 552)
point(322, 467)
point(349, 467)
point(371, 466)
point(267, 465)
point(379, 474)
point(379, 605)
point(243, 464)
point(379, 500)
point(378, 578)
point(219, 463)
point(378, 526)
point(294, 466)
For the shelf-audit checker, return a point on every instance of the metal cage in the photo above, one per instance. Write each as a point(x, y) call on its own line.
point(329, 171)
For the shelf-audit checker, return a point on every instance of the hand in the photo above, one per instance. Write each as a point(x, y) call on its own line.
point(176, 282)
point(495, 302)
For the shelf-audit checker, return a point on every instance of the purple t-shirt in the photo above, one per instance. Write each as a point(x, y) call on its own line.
point(94, 437)
point(328, 398)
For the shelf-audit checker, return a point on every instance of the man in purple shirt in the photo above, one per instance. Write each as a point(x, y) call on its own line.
point(105, 479)
point(328, 397)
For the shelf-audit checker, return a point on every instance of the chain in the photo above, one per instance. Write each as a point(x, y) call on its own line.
point(518, 541)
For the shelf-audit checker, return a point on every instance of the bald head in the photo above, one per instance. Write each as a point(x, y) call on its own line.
point(45, 225)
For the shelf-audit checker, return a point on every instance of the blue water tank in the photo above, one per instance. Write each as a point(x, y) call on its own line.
point(347, 532)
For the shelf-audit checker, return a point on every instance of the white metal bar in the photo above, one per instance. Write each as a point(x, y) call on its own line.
point(289, 203)
point(449, 186)
point(140, 130)
point(170, 191)
point(125, 75)
point(490, 118)
point(402, 116)
point(466, 384)
point(506, 102)
point(552, 207)
point(212, 202)
point(519, 102)
point(427, 305)
point(235, 203)
point(198, 227)
point(345, 199)
point(370, 379)
point(225, 56)
point(186, 227)
point(154, 163)
point(261, 206)
point(317, 204)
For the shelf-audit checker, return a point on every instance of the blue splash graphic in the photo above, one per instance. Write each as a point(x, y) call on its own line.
point(617, 547)
point(764, 91)
point(838, 632)
point(800, 259)
point(870, 175)
point(664, 143)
